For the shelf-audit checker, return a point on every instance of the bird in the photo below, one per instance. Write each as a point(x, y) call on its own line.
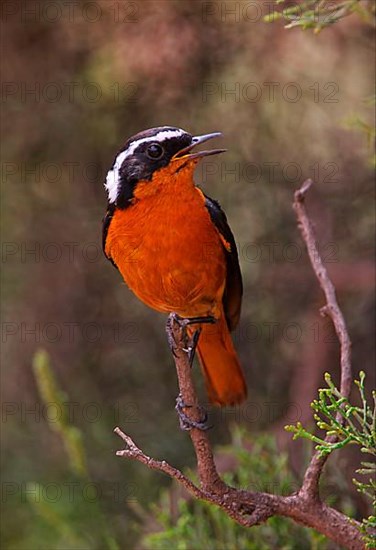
point(174, 248)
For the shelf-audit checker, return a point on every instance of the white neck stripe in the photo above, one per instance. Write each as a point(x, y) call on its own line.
point(113, 180)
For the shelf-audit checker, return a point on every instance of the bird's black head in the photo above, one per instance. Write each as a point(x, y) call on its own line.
point(147, 152)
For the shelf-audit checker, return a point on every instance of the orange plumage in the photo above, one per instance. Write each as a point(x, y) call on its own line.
point(173, 257)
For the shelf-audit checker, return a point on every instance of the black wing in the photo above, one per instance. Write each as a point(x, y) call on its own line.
point(106, 224)
point(232, 297)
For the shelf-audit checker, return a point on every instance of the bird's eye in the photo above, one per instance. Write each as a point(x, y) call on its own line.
point(154, 151)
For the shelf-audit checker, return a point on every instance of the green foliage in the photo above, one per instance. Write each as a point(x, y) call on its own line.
point(368, 129)
point(52, 395)
point(318, 14)
point(349, 424)
point(73, 518)
point(260, 467)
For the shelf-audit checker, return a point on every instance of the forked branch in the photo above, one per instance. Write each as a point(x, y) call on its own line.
point(251, 508)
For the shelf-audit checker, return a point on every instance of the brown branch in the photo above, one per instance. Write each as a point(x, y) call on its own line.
point(331, 309)
point(251, 508)
point(207, 471)
point(135, 453)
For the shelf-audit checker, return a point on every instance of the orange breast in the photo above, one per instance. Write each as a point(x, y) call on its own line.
point(167, 248)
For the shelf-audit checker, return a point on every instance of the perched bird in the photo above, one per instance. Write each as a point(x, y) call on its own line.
point(174, 248)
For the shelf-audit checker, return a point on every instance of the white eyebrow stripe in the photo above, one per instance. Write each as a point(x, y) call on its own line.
point(161, 136)
point(113, 179)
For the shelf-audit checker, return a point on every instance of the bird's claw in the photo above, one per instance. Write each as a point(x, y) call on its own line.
point(187, 423)
point(190, 350)
point(190, 344)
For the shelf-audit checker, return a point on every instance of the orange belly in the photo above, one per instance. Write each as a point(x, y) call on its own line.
point(170, 253)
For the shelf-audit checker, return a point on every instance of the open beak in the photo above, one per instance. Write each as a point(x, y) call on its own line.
point(197, 140)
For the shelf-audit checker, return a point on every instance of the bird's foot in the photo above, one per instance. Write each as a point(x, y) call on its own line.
point(190, 344)
point(187, 423)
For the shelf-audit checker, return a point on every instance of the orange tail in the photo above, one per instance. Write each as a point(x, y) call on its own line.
point(224, 377)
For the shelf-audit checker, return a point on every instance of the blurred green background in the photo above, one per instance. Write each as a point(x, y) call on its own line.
point(79, 78)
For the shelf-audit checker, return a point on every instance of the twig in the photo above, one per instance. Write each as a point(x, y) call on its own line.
point(251, 508)
point(135, 453)
point(313, 472)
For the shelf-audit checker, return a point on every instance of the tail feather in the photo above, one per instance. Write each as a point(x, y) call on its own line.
point(223, 374)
